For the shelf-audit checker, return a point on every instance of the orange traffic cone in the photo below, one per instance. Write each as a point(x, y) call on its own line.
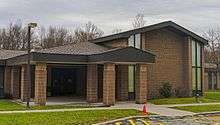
point(145, 112)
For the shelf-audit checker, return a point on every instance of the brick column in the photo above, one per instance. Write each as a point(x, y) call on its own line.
point(187, 70)
point(24, 83)
point(122, 82)
point(109, 84)
point(141, 84)
point(40, 83)
point(7, 82)
point(92, 83)
point(15, 79)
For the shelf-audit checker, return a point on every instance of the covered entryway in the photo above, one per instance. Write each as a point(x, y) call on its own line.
point(69, 81)
point(87, 71)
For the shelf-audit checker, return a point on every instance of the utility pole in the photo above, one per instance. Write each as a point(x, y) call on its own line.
point(30, 25)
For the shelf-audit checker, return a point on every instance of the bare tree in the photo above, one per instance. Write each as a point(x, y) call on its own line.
point(14, 37)
point(89, 32)
point(54, 36)
point(212, 51)
point(138, 21)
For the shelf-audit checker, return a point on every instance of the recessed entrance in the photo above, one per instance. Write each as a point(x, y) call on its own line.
point(67, 81)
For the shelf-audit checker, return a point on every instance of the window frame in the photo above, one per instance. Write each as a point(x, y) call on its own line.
point(196, 67)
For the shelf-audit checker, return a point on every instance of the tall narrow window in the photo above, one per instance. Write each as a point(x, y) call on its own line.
point(134, 41)
point(196, 67)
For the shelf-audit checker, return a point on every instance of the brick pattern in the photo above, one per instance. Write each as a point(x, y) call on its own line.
point(187, 70)
point(122, 82)
point(92, 83)
point(40, 83)
point(173, 60)
point(15, 80)
point(109, 84)
point(7, 82)
point(141, 84)
point(24, 83)
point(170, 51)
point(116, 43)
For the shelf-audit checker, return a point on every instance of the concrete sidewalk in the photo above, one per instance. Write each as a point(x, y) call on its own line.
point(162, 110)
point(192, 104)
point(157, 109)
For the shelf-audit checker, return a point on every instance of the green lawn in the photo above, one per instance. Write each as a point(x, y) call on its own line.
point(215, 95)
point(168, 101)
point(200, 108)
point(65, 118)
point(209, 97)
point(7, 105)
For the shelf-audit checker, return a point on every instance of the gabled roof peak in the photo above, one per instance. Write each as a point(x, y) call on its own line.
point(157, 26)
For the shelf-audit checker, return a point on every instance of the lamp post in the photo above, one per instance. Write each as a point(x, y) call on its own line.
point(30, 25)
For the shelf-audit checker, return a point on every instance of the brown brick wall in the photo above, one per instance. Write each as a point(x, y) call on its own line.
point(7, 82)
point(92, 83)
point(116, 43)
point(40, 83)
point(173, 60)
point(122, 82)
point(109, 84)
point(24, 83)
point(141, 84)
point(169, 66)
point(15, 82)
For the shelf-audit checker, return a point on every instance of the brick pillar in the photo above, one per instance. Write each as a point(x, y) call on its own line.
point(15, 79)
point(40, 83)
point(122, 83)
point(109, 84)
point(7, 82)
point(92, 83)
point(187, 70)
point(141, 84)
point(24, 83)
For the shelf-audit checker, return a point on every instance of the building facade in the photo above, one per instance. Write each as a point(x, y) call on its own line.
point(131, 65)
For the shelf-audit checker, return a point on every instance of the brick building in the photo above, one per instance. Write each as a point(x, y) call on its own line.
point(131, 65)
point(212, 77)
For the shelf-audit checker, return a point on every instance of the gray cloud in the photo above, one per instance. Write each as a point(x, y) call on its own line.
point(196, 15)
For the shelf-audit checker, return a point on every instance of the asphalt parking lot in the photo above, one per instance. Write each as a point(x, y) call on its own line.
point(160, 120)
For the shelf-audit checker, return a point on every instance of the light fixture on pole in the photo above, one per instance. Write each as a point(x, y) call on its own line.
point(30, 25)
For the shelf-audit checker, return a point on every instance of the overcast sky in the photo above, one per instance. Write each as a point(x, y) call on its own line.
point(196, 15)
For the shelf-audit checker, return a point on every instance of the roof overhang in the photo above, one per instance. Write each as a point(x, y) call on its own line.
point(124, 55)
point(120, 55)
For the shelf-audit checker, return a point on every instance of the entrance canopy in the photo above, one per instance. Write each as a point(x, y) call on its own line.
point(85, 52)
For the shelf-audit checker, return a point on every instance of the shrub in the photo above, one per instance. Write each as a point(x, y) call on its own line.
point(166, 90)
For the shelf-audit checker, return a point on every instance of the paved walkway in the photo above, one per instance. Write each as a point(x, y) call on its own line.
point(193, 104)
point(157, 109)
point(162, 110)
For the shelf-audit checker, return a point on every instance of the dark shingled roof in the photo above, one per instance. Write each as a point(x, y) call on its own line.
point(80, 48)
point(166, 24)
point(6, 54)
